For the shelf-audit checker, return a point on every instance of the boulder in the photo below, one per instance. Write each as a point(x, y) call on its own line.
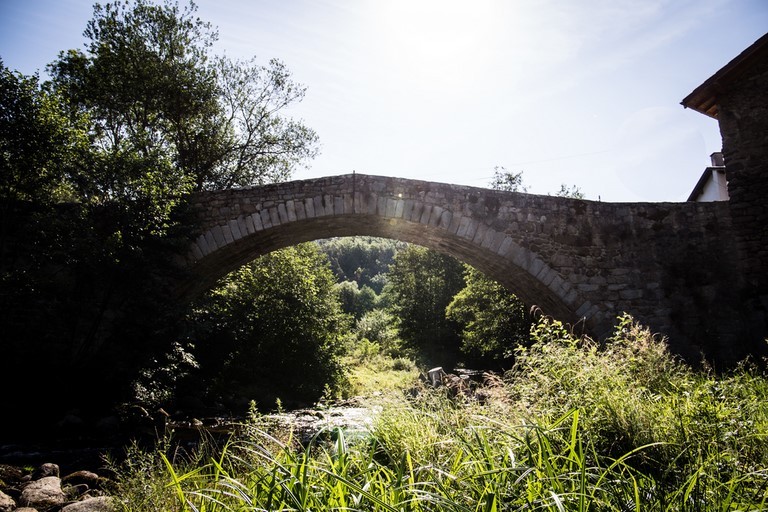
point(6, 503)
point(10, 474)
point(43, 494)
point(47, 469)
point(88, 478)
point(98, 504)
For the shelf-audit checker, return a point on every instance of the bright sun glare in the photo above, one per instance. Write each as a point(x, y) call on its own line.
point(433, 39)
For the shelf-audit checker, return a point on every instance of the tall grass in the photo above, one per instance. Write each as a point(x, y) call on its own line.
point(574, 426)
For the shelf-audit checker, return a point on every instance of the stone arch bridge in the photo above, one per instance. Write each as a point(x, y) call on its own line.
point(585, 262)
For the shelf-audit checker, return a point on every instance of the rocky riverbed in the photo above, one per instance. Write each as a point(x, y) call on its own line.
point(70, 476)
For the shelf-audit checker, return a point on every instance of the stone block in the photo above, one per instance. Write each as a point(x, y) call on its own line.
point(338, 205)
point(381, 206)
point(266, 220)
point(274, 216)
point(390, 209)
point(426, 213)
point(309, 207)
point(218, 235)
point(445, 220)
point(282, 213)
point(399, 208)
point(257, 223)
point(584, 309)
point(197, 248)
point(408, 209)
point(290, 208)
point(482, 228)
point(249, 227)
point(227, 232)
point(631, 294)
point(317, 201)
point(434, 218)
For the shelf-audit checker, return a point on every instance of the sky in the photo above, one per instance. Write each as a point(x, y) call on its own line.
point(574, 92)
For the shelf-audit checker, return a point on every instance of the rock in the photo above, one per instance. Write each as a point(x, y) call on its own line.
point(25, 509)
point(47, 469)
point(108, 425)
point(70, 423)
point(99, 504)
point(10, 474)
point(43, 494)
point(436, 376)
point(74, 492)
point(6, 503)
point(88, 478)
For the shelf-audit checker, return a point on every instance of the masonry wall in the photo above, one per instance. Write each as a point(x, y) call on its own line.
point(743, 118)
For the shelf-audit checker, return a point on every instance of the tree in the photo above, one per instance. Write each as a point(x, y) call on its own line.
point(378, 326)
point(355, 300)
point(362, 259)
point(570, 191)
point(493, 321)
point(271, 329)
point(513, 182)
point(507, 180)
point(167, 115)
point(95, 168)
point(421, 284)
point(39, 147)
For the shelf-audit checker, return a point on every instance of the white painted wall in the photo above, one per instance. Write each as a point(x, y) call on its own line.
point(716, 187)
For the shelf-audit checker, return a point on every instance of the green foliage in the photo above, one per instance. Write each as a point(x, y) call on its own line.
point(362, 259)
point(570, 191)
point(375, 373)
point(539, 442)
point(167, 115)
point(493, 321)
point(379, 327)
point(507, 180)
point(270, 329)
point(126, 128)
point(637, 394)
point(513, 182)
point(40, 149)
point(421, 285)
point(355, 300)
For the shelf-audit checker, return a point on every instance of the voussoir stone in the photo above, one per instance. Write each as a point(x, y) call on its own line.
point(43, 494)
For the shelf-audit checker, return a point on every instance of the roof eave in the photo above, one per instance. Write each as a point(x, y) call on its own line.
point(703, 99)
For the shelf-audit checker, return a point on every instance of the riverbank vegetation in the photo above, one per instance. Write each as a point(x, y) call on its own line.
point(572, 426)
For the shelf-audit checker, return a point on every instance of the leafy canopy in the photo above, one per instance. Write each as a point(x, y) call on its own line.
point(274, 326)
point(493, 321)
point(39, 146)
point(168, 114)
point(421, 284)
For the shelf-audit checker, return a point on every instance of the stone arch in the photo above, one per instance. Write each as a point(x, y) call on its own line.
point(244, 224)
